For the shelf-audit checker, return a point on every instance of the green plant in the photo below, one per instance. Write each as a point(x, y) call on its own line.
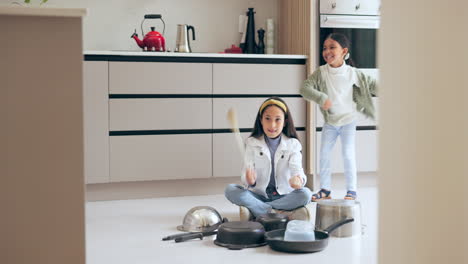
point(29, 1)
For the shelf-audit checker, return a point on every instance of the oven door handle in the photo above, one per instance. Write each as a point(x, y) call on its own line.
point(342, 21)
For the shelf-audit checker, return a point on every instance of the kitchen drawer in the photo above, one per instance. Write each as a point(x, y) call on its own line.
point(160, 157)
point(350, 7)
point(247, 110)
point(154, 114)
point(96, 128)
point(366, 152)
point(227, 159)
point(257, 78)
point(368, 7)
point(338, 7)
point(362, 120)
point(160, 78)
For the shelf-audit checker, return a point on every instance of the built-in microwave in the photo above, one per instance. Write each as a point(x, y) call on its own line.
point(359, 21)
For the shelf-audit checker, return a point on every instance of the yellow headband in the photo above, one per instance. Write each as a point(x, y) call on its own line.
point(273, 102)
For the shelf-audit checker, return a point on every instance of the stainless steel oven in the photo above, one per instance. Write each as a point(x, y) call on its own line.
point(357, 19)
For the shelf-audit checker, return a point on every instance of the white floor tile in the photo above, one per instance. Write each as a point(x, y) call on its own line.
point(130, 231)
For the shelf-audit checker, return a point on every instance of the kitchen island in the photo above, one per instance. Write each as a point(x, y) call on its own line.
point(159, 118)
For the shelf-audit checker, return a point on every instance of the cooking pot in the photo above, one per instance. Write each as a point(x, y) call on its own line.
point(333, 210)
point(273, 221)
point(240, 234)
point(275, 240)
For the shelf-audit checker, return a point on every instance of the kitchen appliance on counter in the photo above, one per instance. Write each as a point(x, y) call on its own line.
point(182, 40)
point(153, 40)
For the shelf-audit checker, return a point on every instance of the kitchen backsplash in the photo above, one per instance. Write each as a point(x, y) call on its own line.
point(110, 23)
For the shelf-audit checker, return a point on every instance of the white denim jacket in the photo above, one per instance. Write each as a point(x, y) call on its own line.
point(288, 163)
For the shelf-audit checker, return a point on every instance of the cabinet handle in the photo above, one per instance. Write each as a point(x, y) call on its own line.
point(358, 6)
point(333, 5)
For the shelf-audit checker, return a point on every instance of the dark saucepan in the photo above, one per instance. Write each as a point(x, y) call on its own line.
point(273, 221)
point(239, 235)
point(233, 235)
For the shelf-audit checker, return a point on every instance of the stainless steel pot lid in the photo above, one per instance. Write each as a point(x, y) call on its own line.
point(200, 219)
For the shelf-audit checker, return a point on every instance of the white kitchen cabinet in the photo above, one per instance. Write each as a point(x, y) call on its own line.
point(160, 157)
point(247, 108)
point(167, 120)
point(337, 6)
point(160, 114)
point(350, 7)
point(368, 7)
point(96, 128)
point(366, 152)
point(159, 78)
point(257, 78)
point(227, 158)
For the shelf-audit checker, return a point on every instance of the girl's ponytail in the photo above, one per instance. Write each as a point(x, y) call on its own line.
point(350, 62)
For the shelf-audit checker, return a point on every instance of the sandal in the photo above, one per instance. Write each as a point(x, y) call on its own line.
point(350, 195)
point(321, 195)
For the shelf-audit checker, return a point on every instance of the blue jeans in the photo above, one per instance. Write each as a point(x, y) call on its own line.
point(347, 134)
point(259, 204)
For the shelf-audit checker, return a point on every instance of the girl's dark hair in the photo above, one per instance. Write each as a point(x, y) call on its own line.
point(344, 43)
point(289, 129)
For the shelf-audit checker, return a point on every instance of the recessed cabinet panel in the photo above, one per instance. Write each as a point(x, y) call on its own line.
point(257, 78)
point(154, 114)
point(96, 130)
point(160, 78)
point(366, 152)
point(247, 108)
point(227, 158)
point(350, 7)
point(160, 157)
point(362, 120)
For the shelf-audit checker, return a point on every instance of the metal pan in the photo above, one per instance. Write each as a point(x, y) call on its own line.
point(273, 221)
point(276, 240)
point(232, 235)
point(209, 231)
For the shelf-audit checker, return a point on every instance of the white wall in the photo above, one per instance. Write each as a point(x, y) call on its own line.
point(110, 23)
point(423, 132)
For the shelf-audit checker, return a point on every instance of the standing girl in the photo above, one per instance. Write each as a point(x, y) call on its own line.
point(341, 91)
point(272, 175)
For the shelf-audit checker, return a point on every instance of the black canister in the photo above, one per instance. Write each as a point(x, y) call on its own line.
point(250, 45)
point(261, 43)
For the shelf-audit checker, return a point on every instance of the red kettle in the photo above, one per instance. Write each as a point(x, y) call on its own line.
point(153, 40)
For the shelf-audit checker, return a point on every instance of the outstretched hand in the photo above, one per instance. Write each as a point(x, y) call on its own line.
point(250, 176)
point(295, 182)
point(327, 105)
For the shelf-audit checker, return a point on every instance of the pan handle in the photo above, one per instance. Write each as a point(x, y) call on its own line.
point(337, 224)
point(171, 237)
point(189, 237)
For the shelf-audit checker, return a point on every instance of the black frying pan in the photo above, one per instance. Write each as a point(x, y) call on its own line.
point(276, 240)
point(181, 237)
